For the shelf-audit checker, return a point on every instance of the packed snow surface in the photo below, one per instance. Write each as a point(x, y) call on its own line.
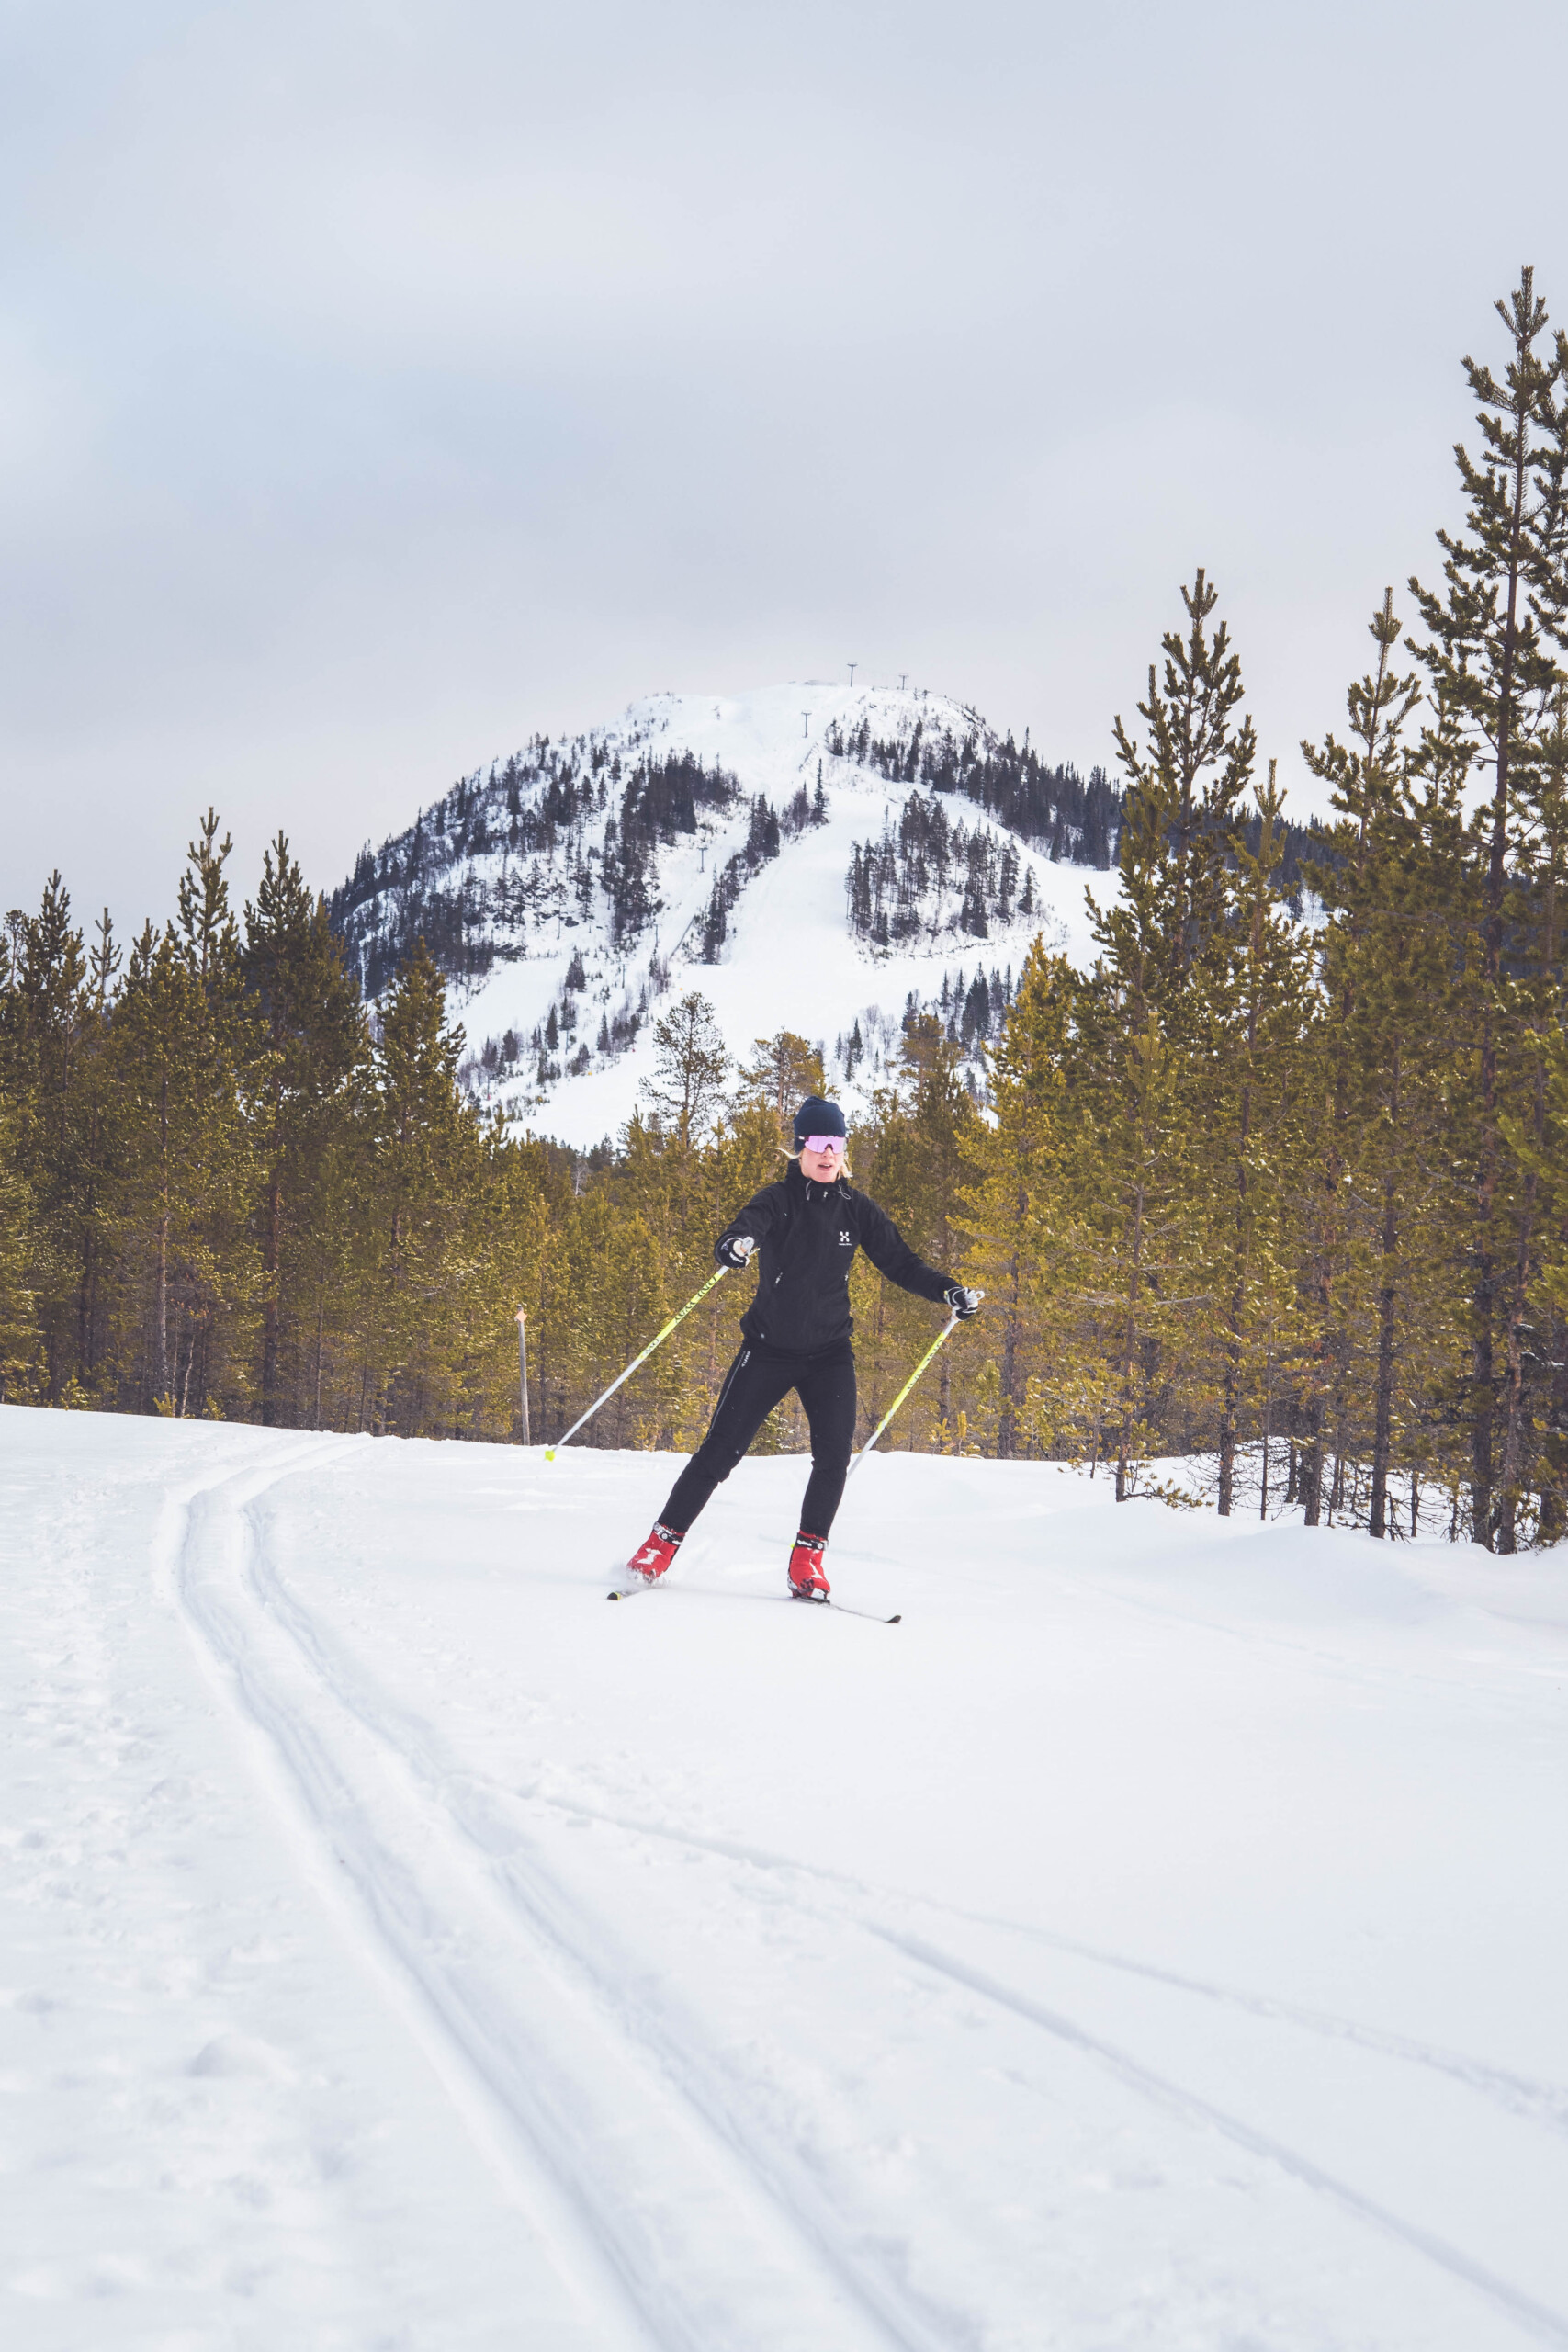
point(1157, 1939)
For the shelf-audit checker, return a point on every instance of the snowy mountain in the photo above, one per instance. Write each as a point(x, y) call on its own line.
point(809, 856)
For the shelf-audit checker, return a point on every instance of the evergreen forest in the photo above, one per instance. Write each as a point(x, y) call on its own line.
point(1277, 1185)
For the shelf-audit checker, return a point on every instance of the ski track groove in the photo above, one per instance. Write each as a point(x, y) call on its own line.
point(465, 1799)
point(1549, 2324)
point(537, 2100)
point(1515, 2095)
point(1529, 2100)
point(300, 1772)
point(1189, 2107)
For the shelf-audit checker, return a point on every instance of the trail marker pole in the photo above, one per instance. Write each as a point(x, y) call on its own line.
point(523, 1369)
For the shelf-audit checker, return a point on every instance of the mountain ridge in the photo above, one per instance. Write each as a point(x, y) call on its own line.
point(899, 849)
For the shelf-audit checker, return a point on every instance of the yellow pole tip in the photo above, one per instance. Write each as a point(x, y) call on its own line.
point(549, 1453)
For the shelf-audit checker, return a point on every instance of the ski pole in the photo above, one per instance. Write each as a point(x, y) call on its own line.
point(657, 1341)
point(948, 1328)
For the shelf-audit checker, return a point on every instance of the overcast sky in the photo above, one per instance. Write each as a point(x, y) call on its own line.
point(380, 384)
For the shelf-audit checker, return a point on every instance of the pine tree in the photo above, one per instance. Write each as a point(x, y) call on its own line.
point(188, 1271)
point(428, 1167)
point(314, 1039)
point(18, 1316)
point(1143, 1016)
point(1386, 935)
point(1019, 1238)
point(686, 1087)
point(1536, 1367)
point(1250, 1015)
point(50, 1023)
point(1504, 593)
point(1184, 787)
point(782, 1072)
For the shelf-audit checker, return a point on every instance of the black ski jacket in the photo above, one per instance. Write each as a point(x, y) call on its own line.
point(806, 1236)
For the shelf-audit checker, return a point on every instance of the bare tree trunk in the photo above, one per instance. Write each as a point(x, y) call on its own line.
point(1125, 1436)
point(1516, 1426)
point(1483, 1296)
point(1268, 1422)
point(1482, 1511)
point(1311, 1467)
point(1006, 1417)
point(270, 1256)
point(1384, 1417)
point(1512, 1468)
point(1227, 1432)
point(161, 1279)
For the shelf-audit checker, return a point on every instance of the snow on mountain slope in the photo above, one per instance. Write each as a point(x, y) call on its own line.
point(535, 919)
point(1155, 1943)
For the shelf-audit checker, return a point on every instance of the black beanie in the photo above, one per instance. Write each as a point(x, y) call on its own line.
point(816, 1117)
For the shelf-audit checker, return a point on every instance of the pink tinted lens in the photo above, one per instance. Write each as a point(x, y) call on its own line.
point(825, 1143)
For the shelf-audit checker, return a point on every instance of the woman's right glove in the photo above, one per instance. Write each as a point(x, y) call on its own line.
point(963, 1303)
point(732, 1249)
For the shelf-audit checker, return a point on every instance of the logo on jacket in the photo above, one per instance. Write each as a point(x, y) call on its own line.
point(846, 1242)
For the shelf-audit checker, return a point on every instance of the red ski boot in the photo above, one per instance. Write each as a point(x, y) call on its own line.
point(806, 1581)
point(650, 1559)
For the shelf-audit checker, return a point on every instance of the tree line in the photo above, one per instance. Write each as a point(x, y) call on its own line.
point(1277, 1192)
point(1075, 822)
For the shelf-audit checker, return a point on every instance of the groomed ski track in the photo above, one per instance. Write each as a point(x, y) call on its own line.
point(609, 2105)
point(683, 2185)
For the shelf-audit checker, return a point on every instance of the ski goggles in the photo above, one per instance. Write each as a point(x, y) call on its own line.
point(831, 1144)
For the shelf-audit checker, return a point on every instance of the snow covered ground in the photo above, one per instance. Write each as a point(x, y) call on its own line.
point(1158, 1940)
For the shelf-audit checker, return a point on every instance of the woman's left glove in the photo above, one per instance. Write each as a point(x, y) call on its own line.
point(963, 1303)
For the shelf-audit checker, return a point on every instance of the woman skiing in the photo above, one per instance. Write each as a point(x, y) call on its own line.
point(797, 1335)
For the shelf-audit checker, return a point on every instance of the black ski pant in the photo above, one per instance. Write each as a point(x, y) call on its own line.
point(755, 1382)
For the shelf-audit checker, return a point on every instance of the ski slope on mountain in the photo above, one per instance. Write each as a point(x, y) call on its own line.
point(792, 959)
point(1155, 1940)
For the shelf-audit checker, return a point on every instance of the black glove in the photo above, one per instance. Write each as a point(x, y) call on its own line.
point(733, 1250)
point(963, 1303)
